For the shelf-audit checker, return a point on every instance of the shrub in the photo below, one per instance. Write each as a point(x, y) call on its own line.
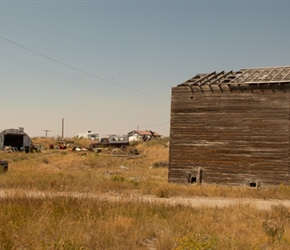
point(197, 242)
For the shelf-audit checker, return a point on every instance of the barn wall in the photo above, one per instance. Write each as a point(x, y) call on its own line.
point(235, 138)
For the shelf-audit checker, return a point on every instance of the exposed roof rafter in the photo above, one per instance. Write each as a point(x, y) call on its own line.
point(260, 77)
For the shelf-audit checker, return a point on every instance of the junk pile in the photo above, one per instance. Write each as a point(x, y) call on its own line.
point(3, 166)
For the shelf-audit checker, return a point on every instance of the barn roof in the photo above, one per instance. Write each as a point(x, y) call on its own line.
point(265, 78)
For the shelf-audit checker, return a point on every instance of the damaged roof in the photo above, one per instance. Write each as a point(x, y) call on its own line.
point(254, 78)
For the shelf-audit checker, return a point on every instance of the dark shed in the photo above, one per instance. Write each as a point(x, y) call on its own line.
point(231, 128)
point(15, 138)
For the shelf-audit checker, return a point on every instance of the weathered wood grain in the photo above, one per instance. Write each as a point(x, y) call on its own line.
point(235, 136)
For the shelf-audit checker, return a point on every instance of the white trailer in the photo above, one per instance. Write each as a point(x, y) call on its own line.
point(88, 135)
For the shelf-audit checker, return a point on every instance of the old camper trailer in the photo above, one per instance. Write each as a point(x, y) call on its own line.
point(89, 135)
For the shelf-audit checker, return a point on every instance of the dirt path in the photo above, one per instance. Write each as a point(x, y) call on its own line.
point(193, 201)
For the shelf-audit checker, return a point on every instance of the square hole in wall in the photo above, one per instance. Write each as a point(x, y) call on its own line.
point(254, 184)
point(193, 179)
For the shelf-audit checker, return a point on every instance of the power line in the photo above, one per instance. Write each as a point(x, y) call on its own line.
point(63, 76)
point(76, 69)
point(151, 126)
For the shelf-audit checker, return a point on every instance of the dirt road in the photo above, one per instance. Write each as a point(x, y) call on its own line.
point(193, 201)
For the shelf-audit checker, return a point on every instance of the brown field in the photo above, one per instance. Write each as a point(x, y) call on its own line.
point(63, 199)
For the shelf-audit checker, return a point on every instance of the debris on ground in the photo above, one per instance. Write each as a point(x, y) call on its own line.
point(149, 243)
point(3, 166)
point(10, 149)
point(79, 149)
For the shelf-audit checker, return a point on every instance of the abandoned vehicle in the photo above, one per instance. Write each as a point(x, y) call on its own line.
point(111, 141)
point(231, 128)
point(136, 135)
point(88, 135)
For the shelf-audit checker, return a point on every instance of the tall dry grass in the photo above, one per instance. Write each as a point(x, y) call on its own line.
point(67, 170)
point(84, 223)
point(60, 222)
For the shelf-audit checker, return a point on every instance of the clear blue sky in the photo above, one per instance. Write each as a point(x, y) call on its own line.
point(109, 66)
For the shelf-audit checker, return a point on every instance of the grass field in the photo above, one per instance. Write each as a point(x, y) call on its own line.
point(82, 222)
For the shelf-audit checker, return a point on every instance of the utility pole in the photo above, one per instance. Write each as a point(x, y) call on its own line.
point(46, 131)
point(62, 128)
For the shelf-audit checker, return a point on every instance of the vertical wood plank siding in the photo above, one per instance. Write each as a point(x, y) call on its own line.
point(234, 137)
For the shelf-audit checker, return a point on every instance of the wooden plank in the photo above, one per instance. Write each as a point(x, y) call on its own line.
point(232, 136)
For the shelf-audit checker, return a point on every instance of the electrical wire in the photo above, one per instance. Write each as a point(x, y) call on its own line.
point(63, 76)
point(152, 126)
point(79, 70)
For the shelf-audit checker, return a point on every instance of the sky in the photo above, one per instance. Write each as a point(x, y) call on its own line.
point(109, 66)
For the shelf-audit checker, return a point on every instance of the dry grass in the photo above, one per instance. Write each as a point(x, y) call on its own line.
point(89, 223)
point(66, 170)
point(82, 223)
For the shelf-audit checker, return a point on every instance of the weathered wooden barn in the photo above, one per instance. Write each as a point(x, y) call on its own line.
point(232, 128)
point(14, 138)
